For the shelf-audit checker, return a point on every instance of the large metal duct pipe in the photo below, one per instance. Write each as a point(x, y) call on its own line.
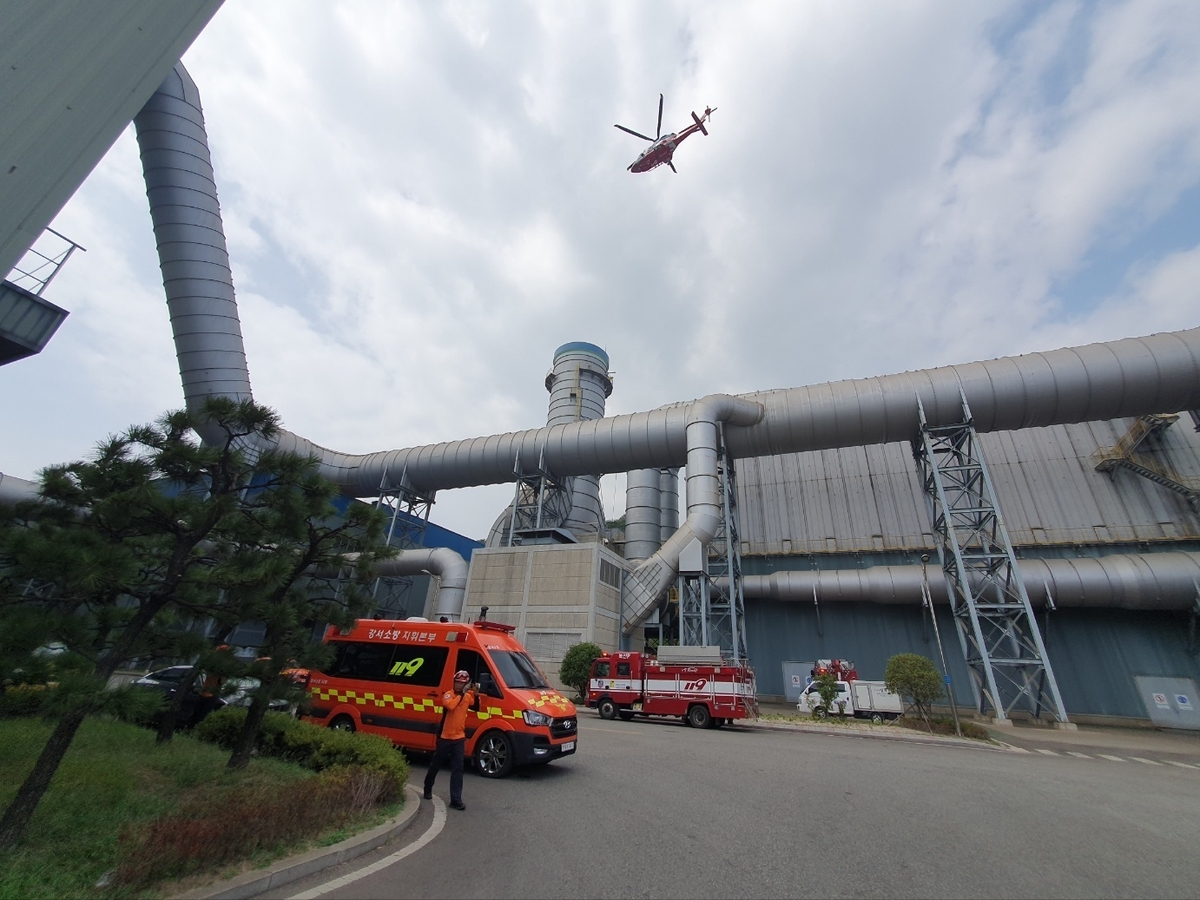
point(191, 243)
point(1129, 377)
point(668, 517)
point(642, 514)
point(450, 568)
point(1127, 581)
point(198, 281)
point(646, 583)
point(579, 383)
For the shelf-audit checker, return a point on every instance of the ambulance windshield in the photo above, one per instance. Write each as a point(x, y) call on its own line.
point(517, 669)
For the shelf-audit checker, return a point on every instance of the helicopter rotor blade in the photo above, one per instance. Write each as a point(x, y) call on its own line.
point(658, 131)
point(634, 133)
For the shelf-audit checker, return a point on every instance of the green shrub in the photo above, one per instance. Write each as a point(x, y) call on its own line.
point(311, 746)
point(22, 700)
point(916, 679)
point(577, 666)
point(222, 727)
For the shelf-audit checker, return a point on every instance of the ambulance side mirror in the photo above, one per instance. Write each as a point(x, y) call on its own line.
point(488, 686)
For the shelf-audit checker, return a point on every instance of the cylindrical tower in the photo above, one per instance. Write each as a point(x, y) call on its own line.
point(642, 514)
point(668, 487)
point(579, 383)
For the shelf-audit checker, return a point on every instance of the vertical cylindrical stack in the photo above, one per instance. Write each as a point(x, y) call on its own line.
point(643, 514)
point(191, 243)
point(579, 383)
point(668, 487)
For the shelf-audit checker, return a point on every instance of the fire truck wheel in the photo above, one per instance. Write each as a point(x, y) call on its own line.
point(625, 714)
point(494, 755)
point(342, 723)
point(699, 716)
point(607, 709)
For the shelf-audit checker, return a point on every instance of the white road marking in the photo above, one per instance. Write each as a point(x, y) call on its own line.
point(1077, 754)
point(1171, 762)
point(1046, 752)
point(439, 822)
point(1148, 762)
point(1110, 758)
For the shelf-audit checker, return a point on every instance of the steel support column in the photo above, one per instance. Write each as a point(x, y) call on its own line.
point(999, 635)
point(408, 517)
point(712, 605)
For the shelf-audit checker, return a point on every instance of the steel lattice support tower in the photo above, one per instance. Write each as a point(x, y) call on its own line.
point(540, 501)
point(408, 519)
point(712, 606)
point(996, 627)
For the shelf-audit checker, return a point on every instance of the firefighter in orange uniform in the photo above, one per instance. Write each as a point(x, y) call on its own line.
point(452, 737)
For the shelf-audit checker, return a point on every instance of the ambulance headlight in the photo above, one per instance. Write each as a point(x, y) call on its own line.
point(535, 718)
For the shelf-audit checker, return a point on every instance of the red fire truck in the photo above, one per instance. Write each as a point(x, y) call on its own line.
point(705, 693)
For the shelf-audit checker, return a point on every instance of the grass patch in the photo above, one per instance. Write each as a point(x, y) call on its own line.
point(115, 781)
point(945, 725)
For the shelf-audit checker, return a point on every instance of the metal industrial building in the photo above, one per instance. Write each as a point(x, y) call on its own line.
point(807, 509)
point(842, 515)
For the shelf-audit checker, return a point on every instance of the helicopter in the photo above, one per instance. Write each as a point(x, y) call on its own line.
point(662, 146)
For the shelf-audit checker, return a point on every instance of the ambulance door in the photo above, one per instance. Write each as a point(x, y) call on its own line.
point(416, 677)
point(492, 703)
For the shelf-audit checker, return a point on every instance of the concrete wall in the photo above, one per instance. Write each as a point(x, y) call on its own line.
point(555, 595)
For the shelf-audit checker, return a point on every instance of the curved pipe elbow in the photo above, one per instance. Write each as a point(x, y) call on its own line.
point(450, 568)
point(648, 581)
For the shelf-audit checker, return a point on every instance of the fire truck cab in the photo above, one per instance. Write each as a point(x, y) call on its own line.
point(706, 691)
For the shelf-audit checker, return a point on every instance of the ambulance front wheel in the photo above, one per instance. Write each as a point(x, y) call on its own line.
point(342, 723)
point(607, 709)
point(699, 716)
point(494, 755)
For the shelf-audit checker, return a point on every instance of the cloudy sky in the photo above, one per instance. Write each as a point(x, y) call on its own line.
point(423, 200)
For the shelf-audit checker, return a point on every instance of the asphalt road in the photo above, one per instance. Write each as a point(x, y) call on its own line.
point(657, 809)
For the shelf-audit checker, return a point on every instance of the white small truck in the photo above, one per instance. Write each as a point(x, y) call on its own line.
point(861, 699)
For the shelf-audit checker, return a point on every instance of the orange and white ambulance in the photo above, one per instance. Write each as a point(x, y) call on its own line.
point(388, 677)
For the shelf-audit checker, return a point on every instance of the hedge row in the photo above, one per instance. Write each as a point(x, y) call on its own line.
point(311, 746)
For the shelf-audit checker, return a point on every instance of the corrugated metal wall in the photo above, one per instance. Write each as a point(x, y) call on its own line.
point(1095, 653)
point(869, 498)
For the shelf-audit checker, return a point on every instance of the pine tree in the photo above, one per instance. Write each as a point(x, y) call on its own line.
point(123, 549)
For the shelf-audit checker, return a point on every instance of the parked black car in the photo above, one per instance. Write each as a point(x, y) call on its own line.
point(232, 692)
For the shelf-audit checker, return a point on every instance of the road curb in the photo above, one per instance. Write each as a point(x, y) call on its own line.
point(909, 737)
point(294, 868)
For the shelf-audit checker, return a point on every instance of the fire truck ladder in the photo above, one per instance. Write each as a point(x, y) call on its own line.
point(408, 519)
point(999, 635)
point(712, 605)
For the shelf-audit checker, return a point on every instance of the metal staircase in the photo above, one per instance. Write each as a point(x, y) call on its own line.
point(997, 630)
point(1124, 455)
